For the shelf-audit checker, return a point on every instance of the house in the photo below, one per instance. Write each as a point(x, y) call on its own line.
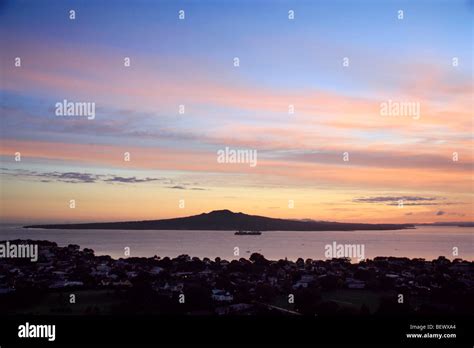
point(156, 270)
point(352, 283)
point(238, 308)
point(221, 296)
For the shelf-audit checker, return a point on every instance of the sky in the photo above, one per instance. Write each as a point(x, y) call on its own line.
point(337, 157)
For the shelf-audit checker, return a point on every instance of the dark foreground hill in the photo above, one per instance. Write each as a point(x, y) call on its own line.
point(227, 220)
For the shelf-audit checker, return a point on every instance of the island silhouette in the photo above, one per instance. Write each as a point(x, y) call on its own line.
point(227, 220)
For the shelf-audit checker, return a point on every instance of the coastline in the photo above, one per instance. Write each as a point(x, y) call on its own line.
point(241, 287)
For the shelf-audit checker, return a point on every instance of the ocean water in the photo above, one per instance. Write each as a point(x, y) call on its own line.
point(427, 242)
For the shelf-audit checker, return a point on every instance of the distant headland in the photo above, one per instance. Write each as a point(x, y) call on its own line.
point(227, 220)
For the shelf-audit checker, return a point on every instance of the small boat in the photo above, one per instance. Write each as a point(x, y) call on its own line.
point(248, 233)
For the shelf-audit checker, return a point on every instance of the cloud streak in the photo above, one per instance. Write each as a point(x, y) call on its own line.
point(395, 200)
point(385, 199)
point(76, 177)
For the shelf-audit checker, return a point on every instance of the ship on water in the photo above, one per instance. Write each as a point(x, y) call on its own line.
point(247, 233)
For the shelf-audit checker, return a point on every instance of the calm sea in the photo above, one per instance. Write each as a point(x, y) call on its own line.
point(426, 242)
